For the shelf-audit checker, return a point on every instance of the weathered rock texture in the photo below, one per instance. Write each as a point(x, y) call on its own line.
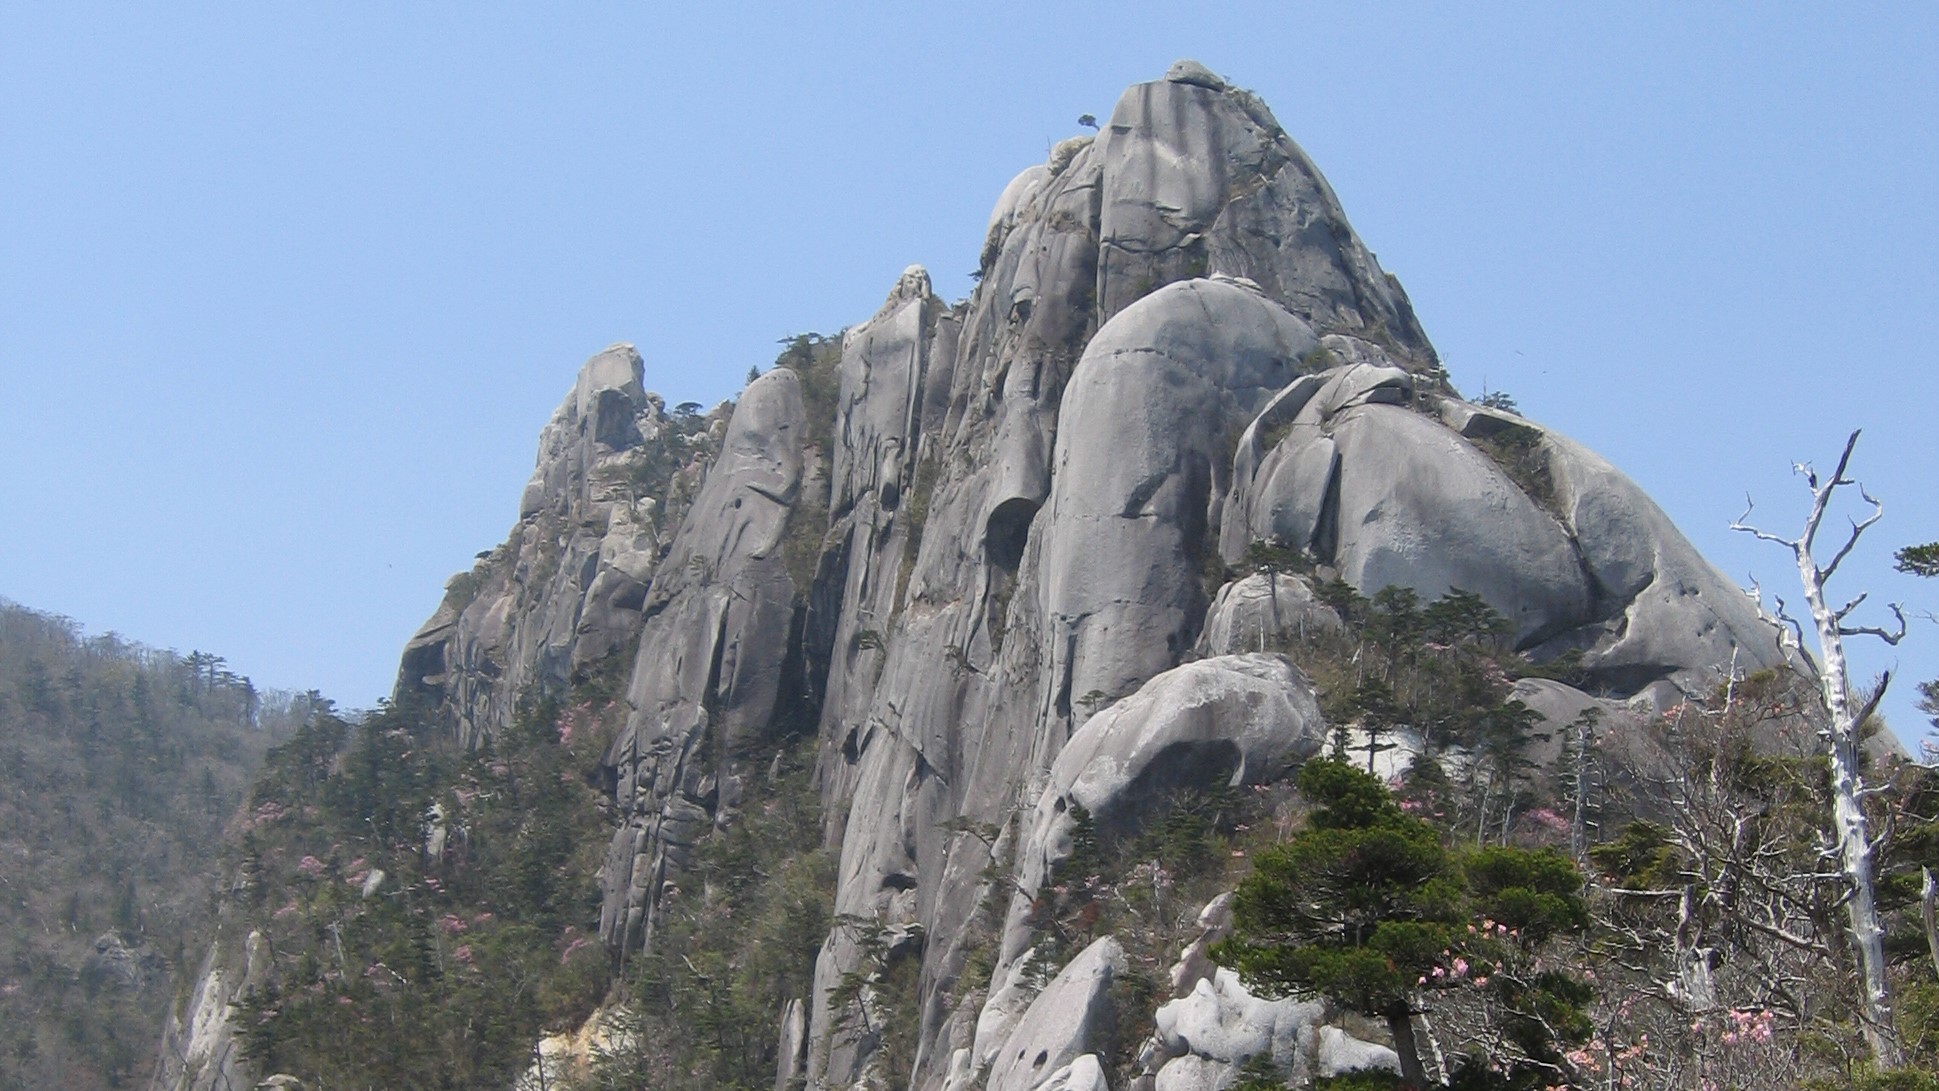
point(708, 675)
point(566, 589)
point(200, 1047)
point(987, 576)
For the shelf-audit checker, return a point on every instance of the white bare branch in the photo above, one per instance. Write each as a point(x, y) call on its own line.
point(1797, 631)
point(1871, 703)
point(1821, 495)
point(1739, 524)
point(1872, 630)
point(1858, 528)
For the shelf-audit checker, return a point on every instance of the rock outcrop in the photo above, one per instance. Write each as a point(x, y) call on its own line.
point(708, 674)
point(200, 1047)
point(989, 570)
point(566, 589)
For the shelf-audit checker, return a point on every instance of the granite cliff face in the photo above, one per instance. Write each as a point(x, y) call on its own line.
point(1006, 602)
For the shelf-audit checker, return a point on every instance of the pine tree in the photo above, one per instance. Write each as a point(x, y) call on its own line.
point(1368, 908)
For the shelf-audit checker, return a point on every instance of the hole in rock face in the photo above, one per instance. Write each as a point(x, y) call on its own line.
point(1042, 1058)
point(1007, 531)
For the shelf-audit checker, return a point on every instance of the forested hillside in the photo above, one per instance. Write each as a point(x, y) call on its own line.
point(120, 766)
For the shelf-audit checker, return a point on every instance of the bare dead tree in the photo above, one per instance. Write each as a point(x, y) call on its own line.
point(1719, 924)
point(1855, 847)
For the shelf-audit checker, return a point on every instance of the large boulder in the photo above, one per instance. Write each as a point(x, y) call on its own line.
point(1142, 449)
point(1259, 611)
point(1345, 469)
point(1221, 1020)
point(1073, 1016)
point(1671, 614)
point(1226, 721)
point(1385, 486)
point(1420, 507)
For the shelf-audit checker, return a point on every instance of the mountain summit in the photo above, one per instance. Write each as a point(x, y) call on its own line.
point(1012, 585)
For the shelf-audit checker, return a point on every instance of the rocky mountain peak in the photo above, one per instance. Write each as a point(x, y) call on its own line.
point(1001, 564)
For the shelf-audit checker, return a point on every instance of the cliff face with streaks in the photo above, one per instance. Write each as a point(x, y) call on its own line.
point(996, 558)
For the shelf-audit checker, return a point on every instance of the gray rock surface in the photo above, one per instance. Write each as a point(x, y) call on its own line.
point(1258, 611)
point(708, 673)
point(1198, 178)
point(117, 963)
point(792, 1046)
point(1070, 1018)
point(1385, 486)
point(1194, 1073)
point(1140, 458)
point(1204, 1036)
point(565, 589)
point(1242, 719)
point(1340, 1052)
point(199, 1048)
point(1419, 507)
point(1221, 1021)
point(1679, 618)
point(1085, 1073)
point(1195, 961)
point(1390, 496)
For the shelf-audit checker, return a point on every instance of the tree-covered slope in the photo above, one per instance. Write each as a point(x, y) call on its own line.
point(120, 767)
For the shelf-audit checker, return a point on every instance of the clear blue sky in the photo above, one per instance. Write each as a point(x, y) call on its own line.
point(287, 291)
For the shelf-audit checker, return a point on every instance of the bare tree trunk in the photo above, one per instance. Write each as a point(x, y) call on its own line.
point(1400, 1023)
point(1849, 826)
point(1929, 907)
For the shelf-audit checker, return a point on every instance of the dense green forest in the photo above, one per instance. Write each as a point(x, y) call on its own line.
point(120, 768)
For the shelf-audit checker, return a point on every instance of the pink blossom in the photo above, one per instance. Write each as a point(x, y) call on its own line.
point(463, 954)
point(310, 865)
point(1543, 816)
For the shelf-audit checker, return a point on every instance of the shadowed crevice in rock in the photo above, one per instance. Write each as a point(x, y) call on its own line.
point(1007, 532)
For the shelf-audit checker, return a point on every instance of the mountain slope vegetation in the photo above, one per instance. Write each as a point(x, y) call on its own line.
point(120, 768)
